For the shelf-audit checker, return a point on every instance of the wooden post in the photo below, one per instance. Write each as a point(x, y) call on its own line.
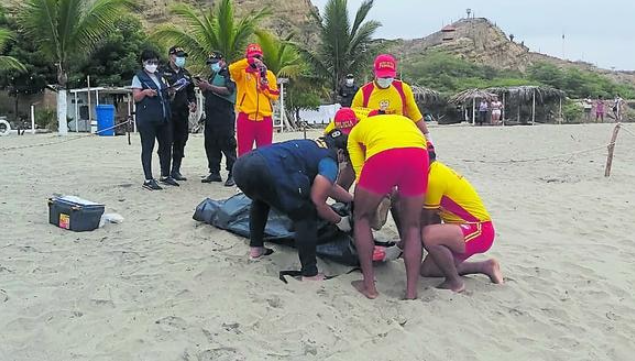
point(609, 159)
point(503, 116)
point(533, 112)
point(90, 107)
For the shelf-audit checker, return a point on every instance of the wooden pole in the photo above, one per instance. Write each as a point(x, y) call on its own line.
point(503, 117)
point(609, 159)
point(90, 107)
point(533, 112)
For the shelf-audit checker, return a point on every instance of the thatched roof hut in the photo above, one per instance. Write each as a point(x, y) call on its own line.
point(530, 94)
point(471, 95)
point(426, 95)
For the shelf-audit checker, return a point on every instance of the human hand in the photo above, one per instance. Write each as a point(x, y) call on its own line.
point(192, 107)
point(151, 93)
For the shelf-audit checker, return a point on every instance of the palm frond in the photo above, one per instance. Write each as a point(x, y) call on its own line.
point(361, 15)
point(8, 63)
point(168, 35)
point(98, 20)
point(39, 21)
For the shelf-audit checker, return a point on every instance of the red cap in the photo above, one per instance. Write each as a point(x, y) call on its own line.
point(345, 120)
point(385, 66)
point(253, 50)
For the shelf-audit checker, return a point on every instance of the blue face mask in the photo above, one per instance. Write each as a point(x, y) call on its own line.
point(180, 62)
point(215, 67)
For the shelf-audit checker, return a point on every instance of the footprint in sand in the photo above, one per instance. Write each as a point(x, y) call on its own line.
point(3, 296)
point(221, 354)
point(172, 323)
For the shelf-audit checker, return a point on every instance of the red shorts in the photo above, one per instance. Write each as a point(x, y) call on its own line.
point(478, 238)
point(404, 168)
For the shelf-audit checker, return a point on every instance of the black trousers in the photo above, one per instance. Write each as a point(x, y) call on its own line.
point(252, 176)
point(218, 143)
point(162, 132)
point(180, 133)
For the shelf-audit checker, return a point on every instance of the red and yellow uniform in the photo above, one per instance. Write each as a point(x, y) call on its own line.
point(458, 203)
point(253, 96)
point(396, 99)
point(388, 152)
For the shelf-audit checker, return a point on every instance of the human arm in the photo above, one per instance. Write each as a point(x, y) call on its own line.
point(414, 113)
point(356, 151)
point(269, 87)
point(138, 93)
point(320, 192)
point(237, 69)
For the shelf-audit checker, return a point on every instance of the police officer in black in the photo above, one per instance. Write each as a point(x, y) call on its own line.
point(183, 102)
point(220, 98)
point(347, 91)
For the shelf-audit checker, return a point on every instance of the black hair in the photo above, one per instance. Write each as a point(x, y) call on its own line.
point(149, 54)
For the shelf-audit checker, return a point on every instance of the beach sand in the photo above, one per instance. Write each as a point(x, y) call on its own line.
point(160, 286)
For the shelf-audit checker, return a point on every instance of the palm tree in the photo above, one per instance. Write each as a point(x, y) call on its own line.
point(216, 29)
point(8, 63)
point(345, 48)
point(66, 30)
point(280, 55)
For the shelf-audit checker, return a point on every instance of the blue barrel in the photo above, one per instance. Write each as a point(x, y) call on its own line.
point(105, 119)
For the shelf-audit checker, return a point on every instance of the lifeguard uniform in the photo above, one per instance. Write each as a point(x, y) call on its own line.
point(389, 152)
point(396, 99)
point(256, 92)
point(458, 203)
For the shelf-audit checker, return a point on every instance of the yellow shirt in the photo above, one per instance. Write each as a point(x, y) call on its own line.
point(362, 113)
point(252, 98)
point(454, 197)
point(390, 101)
point(381, 133)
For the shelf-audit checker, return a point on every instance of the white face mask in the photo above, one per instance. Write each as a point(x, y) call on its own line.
point(350, 82)
point(385, 83)
point(150, 68)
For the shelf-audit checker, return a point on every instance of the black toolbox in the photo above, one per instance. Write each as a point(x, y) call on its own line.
point(74, 213)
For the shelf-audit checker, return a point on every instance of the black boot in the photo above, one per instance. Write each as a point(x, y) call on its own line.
point(212, 178)
point(230, 181)
point(176, 170)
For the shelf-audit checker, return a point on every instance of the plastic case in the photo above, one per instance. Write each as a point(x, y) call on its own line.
point(74, 213)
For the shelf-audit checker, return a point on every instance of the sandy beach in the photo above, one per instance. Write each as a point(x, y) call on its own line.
point(161, 287)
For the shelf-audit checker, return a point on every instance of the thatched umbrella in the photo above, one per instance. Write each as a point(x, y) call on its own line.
point(426, 95)
point(530, 93)
point(473, 95)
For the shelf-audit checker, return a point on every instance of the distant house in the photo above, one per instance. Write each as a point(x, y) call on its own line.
point(448, 32)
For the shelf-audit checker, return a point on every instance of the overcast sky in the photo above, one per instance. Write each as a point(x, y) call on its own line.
point(601, 32)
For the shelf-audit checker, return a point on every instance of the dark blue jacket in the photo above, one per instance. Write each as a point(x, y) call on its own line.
point(155, 109)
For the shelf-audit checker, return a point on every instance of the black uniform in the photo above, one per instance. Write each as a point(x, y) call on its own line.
point(220, 124)
point(180, 113)
point(347, 93)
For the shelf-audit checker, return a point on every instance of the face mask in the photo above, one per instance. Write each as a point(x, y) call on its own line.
point(350, 82)
point(385, 83)
point(215, 67)
point(150, 68)
point(180, 62)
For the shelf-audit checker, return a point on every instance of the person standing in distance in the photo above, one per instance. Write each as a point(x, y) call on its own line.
point(183, 102)
point(348, 91)
point(220, 98)
point(150, 93)
point(256, 92)
point(390, 96)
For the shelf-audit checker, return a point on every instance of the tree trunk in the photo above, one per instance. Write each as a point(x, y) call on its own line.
point(62, 126)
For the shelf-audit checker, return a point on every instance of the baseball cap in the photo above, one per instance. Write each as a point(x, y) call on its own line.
point(253, 50)
point(338, 140)
point(214, 57)
point(385, 66)
point(345, 120)
point(349, 76)
point(178, 51)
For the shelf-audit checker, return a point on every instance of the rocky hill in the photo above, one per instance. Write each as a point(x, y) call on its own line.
point(480, 41)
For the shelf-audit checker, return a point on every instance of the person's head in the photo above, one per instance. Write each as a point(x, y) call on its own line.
point(600, 97)
point(149, 61)
point(177, 56)
point(254, 51)
point(337, 142)
point(350, 80)
point(345, 119)
point(215, 61)
point(385, 70)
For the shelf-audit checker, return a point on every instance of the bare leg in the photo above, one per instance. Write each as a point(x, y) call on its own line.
point(490, 268)
point(441, 241)
point(366, 203)
point(410, 216)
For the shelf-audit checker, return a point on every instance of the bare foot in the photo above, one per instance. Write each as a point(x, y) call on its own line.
point(456, 287)
point(359, 286)
point(493, 270)
point(256, 253)
point(317, 277)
